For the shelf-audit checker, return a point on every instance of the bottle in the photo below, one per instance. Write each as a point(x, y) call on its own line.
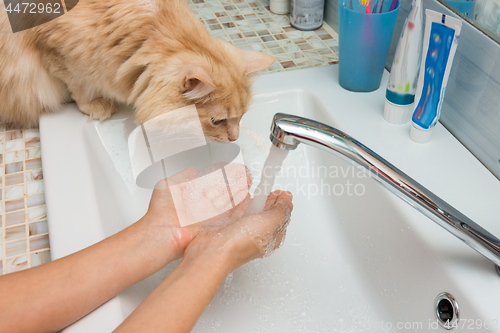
point(400, 93)
point(280, 6)
point(307, 14)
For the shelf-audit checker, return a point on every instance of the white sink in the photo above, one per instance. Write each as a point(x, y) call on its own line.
point(358, 261)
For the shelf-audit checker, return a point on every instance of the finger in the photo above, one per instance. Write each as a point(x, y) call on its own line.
point(287, 198)
point(240, 196)
point(271, 200)
point(240, 210)
point(281, 209)
point(280, 238)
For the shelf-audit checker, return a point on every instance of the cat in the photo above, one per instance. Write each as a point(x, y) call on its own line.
point(152, 54)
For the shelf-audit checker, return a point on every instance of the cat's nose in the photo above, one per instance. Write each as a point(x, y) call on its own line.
point(233, 137)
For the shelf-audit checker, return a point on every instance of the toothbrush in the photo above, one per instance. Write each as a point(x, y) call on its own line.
point(393, 5)
point(374, 10)
point(381, 6)
point(366, 4)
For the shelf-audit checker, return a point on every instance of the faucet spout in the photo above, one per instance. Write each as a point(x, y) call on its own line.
point(287, 131)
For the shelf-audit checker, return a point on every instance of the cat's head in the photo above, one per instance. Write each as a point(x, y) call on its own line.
point(215, 79)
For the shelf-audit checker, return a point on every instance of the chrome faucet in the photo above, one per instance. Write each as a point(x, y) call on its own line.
point(287, 131)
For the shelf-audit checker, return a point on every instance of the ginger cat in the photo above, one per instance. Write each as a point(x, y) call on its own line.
point(153, 54)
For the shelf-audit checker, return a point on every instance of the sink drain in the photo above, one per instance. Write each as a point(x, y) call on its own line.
point(447, 312)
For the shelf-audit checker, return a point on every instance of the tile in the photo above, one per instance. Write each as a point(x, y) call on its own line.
point(274, 31)
point(291, 48)
point(14, 178)
point(33, 175)
point(276, 66)
point(271, 45)
point(35, 200)
point(40, 258)
point(249, 34)
point(39, 242)
point(14, 167)
point(16, 264)
point(13, 205)
point(32, 142)
point(14, 191)
point(33, 164)
point(331, 57)
point(15, 233)
point(13, 135)
point(253, 40)
point(14, 156)
point(278, 50)
point(240, 43)
point(324, 51)
point(282, 57)
point(316, 60)
point(16, 247)
point(34, 152)
point(37, 214)
point(14, 145)
point(267, 39)
point(302, 62)
point(38, 228)
point(331, 43)
point(296, 55)
point(288, 64)
point(257, 46)
point(305, 47)
point(15, 218)
point(318, 45)
point(236, 36)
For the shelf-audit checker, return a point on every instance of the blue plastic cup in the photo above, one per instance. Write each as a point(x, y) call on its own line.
point(364, 41)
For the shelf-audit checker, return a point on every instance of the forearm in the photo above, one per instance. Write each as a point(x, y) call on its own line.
point(177, 303)
point(56, 294)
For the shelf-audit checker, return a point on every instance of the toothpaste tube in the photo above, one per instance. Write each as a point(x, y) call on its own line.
point(400, 93)
point(440, 43)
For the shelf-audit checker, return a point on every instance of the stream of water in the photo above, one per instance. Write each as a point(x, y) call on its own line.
point(271, 168)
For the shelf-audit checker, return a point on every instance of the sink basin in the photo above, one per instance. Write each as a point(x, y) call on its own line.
point(356, 258)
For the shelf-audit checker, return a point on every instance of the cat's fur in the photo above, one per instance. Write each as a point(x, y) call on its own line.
point(153, 54)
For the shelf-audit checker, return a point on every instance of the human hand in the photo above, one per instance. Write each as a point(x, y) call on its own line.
point(250, 237)
point(184, 196)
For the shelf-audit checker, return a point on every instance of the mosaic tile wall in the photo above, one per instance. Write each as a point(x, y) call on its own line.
point(248, 24)
point(25, 238)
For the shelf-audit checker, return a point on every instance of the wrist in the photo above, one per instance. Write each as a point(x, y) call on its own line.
point(159, 238)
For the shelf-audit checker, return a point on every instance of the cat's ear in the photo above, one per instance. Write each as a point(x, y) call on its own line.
point(255, 61)
point(196, 83)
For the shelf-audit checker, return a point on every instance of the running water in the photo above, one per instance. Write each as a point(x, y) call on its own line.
point(271, 168)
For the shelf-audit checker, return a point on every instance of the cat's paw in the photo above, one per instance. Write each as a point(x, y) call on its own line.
point(98, 109)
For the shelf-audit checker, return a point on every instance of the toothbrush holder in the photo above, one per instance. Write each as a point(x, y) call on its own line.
point(364, 41)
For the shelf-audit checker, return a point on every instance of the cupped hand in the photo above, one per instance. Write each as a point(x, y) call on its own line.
point(184, 197)
point(250, 237)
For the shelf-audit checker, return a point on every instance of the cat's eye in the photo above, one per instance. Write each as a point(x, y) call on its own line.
point(218, 122)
